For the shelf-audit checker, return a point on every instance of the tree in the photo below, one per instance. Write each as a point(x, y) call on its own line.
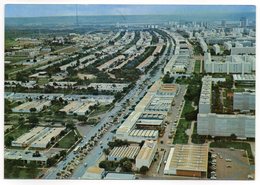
point(36, 154)
point(144, 169)
point(106, 151)
point(33, 109)
point(233, 136)
point(33, 120)
point(126, 166)
point(82, 119)
point(8, 140)
point(70, 126)
point(167, 78)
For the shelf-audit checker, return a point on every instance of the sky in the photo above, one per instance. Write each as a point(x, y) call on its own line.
point(37, 10)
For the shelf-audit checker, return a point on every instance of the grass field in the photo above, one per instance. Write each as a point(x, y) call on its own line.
point(181, 137)
point(20, 173)
point(197, 67)
point(68, 140)
point(20, 131)
point(187, 108)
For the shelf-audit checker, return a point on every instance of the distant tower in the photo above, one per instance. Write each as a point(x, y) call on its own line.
point(223, 23)
point(77, 18)
point(243, 22)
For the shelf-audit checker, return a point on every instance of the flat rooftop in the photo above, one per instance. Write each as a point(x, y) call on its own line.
point(188, 157)
point(125, 151)
point(147, 150)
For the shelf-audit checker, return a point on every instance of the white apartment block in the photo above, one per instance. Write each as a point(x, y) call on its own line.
point(227, 45)
point(216, 48)
point(241, 125)
point(233, 64)
point(205, 95)
point(244, 101)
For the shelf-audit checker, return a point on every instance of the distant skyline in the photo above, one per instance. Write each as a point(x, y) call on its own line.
point(46, 10)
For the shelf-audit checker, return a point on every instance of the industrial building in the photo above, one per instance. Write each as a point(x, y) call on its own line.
point(243, 126)
point(29, 106)
point(188, 160)
point(168, 90)
point(38, 137)
point(119, 153)
point(146, 154)
point(44, 140)
point(205, 95)
point(148, 118)
point(114, 87)
point(119, 176)
point(77, 107)
point(232, 64)
point(27, 138)
point(93, 173)
point(244, 101)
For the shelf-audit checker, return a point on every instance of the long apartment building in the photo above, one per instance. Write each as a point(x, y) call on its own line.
point(205, 95)
point(232, 64)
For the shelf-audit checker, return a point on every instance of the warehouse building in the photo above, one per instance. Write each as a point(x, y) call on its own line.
point(119, 176)
point(205, 95)
point(27, 138)
point(119, 153)
point(93, 173)
point(146, 154)
point(114, 87)
point(77, 107)
point(244, 101)
point(243, 126)
point(44, 140)
point(32, 96)
point(25, 156)
point(168, 90)
point(29, 106)
point(187, 160)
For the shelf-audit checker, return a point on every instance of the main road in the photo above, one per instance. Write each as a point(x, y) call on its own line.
point(93, 156)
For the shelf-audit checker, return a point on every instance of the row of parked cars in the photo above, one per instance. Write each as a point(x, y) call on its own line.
point(81, 153)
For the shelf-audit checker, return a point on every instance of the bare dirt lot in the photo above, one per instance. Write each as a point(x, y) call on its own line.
point(236, 169)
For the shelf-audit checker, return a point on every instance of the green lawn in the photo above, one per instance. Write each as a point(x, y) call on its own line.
point(67, 141)
point(187, 108)
point(100, 110)
point(236, 145)
point(181, 137)
point(20, 131)
point(20, 173)
point(197, 67)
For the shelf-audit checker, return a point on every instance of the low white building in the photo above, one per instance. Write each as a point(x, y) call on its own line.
point(216, 48)
point(93, 173)
point(119, 153)
point(227, 45)
point(146, 154)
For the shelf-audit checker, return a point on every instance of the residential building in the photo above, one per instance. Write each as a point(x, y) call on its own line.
point(243, 126)
point(244, 101)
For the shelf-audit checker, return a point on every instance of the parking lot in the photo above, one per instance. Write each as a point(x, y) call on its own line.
point(231, 164)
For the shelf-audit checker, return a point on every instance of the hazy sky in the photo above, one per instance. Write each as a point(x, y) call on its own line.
point(66, 10)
